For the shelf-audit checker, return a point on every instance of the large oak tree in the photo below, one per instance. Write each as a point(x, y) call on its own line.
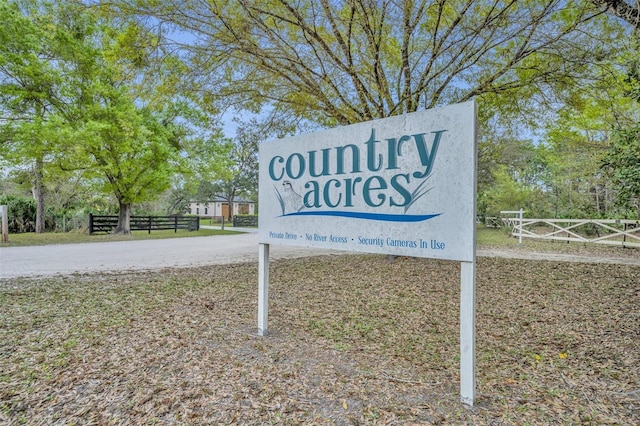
point(628, 11)
point(346, 61)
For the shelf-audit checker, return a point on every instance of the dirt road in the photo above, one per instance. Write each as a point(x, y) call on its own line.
point(138, 255)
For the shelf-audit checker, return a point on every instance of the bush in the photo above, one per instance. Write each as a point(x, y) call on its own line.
point(22, 213)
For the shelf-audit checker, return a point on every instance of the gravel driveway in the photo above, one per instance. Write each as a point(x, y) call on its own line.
point(138, 255)
point(66, 259)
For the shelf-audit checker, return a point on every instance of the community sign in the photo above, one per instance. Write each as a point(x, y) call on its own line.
point(403, 185)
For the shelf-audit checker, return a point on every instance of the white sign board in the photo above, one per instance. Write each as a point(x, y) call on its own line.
point(402, 185)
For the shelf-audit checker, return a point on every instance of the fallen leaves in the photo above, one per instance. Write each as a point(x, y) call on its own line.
point(354, 339)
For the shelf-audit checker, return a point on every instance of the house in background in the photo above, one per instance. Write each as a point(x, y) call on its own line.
point(219, 207)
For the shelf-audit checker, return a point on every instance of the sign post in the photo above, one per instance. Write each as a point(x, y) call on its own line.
point(5, 223)
point(468, 332)
point(263, 289)
point(403, 185)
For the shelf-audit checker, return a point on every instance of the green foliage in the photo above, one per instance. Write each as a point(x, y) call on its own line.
point(506, 194)
point(622, 164)
point(99, 105)
point(31, 90)
point(347, 62)
point(128, 148)
point(21, 214)
point(85, 94)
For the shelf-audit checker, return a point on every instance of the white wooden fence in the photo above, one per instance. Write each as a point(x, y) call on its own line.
point(620, 232)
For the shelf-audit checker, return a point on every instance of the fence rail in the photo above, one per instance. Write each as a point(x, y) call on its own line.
point(107, 223)
point(621, 232)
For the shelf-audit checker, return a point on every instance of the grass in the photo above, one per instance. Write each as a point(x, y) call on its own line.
point(76, 237)
point(486, 238)
point(493, 238)
point(355, 339)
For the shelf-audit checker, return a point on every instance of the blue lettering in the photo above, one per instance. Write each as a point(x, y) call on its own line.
point(401, 190)
point(312, 198)
point(289, 166)
point(427, 158)
point(395, 151)
point(327, 188)
point(368, 187)
point(350, 190)
point(272, 174)
point(355, 159)
point(371, 153)
point(325, 163)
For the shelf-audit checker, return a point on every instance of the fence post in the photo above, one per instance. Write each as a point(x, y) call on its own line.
point(520, 214)
point(222, 223)
point(175, 224)
point(5, 223)
point(90, 223)
point(149, 224)
point(520, 234)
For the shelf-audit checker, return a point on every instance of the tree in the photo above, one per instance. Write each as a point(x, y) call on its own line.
point(622, 163)
point(68, 106)
point(160, 134)
point(31, 48)
point(129, 150)
point(622, 9)
point(506, 194)
point(242, 172)
point(131, 134)
point(342, 62)
point(576, 142)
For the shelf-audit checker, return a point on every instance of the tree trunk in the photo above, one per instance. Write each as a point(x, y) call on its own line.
point(230, 209)
point(38, 191)
point(124, 219)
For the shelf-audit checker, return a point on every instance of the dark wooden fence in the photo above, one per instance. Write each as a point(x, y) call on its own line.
point(107, 223)
point(249, 220)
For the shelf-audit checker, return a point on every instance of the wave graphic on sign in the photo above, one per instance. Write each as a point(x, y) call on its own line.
point(367, 216)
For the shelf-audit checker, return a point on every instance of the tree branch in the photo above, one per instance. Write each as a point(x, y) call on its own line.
point(622, 9)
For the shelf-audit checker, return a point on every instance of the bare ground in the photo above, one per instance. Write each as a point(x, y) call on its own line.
point(355, 339)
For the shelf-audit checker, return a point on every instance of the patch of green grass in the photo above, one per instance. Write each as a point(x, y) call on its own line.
point(75, 237)
point(500, 238)
point(495, 237)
